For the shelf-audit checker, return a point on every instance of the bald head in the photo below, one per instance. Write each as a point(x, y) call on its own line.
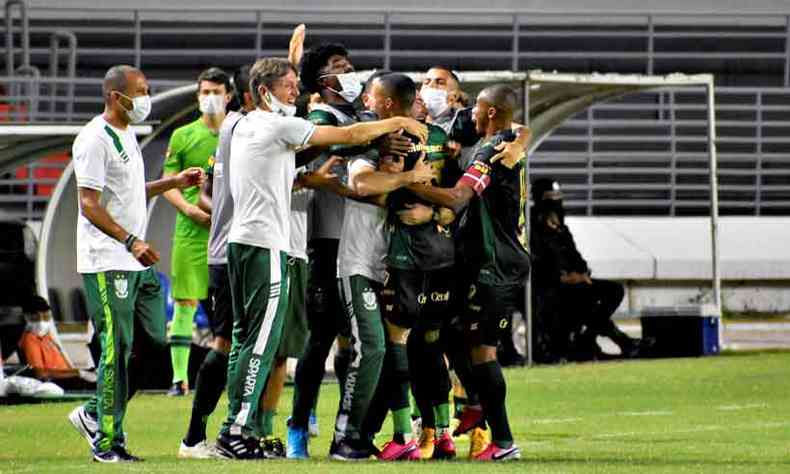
point(117, 79)
point(500, 97)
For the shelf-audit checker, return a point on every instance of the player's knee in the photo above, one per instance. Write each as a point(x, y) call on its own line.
point(481, 354)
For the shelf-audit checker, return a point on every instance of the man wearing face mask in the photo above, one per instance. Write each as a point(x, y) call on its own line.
point(262, 172)
point(572, 306)
point(326, 70)
point(192, 145)
point(112, 256)
point(43, 354)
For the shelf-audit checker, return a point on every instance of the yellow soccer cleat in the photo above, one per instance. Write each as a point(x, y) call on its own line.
point(478, 441)
point(427, 443)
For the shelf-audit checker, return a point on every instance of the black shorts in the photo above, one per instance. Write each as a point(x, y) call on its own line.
point(489, 309)
point(419, 297)
point(221, 314)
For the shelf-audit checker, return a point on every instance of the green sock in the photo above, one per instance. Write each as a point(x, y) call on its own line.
point(267, 423)
point(180, 340)
point(401, 421)
point(442, 415)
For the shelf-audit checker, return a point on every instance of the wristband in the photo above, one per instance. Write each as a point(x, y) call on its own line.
point(130, 240)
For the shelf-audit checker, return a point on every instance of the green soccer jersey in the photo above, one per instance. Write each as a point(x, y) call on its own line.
point(493, 239)
point(427, 246)
point(191, 145)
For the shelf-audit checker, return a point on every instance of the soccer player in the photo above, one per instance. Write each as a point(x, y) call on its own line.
point(215, 199)
point(418, 258)
point(261, 179)
point(192, 145)
point(111, 253)
point(362, 272)
point(328, 71)
point(494, 245)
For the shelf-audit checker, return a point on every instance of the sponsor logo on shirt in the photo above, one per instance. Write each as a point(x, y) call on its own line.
point(438, 297)
point(426, 148)
point(421, 298)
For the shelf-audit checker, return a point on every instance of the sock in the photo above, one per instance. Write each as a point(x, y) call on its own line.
point(211, 379)
point(396, 364)
point(492, 391)
point(180, 340)
point(441, 414)
point(267, 423)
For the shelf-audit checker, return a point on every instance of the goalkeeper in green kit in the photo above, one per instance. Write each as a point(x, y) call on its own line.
point(192, 145)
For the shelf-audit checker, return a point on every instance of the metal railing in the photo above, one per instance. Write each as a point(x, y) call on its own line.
point(646, 42)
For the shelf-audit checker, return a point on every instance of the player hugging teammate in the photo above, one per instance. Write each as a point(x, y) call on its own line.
point(399, 241)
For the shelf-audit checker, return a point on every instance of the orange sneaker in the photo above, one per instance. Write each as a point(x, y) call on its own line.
point(478, 440)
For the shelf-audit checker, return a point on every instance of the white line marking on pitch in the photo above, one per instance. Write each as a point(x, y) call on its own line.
point(698, 429)
point(647, 413)
point(746, 406)
point(549, 421)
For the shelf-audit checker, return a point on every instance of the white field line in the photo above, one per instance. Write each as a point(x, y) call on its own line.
point(747, 406)
point(549, 421)
point(646, 413)
point(698, 429)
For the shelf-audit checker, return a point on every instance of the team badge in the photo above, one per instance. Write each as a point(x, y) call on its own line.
point(369, 299)
point(121, 285)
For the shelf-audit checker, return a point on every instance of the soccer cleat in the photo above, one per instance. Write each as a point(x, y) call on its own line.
point(427, 443)
point(201, 450)
point(125, 455)
point(239, 447)
point(312, 425)
point(273, 448)
point(178, 389)
point(297, 442)
point(85, 425)
point(394, 451)
point(349, 451)
point(470, 418)
point(478, 440)
point(495, 453)
point(445, 447)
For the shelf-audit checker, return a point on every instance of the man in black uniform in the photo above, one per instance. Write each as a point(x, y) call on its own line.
point(493, 244)
point(572, 307)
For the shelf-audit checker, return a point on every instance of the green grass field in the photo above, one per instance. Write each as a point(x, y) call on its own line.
point(720, 414)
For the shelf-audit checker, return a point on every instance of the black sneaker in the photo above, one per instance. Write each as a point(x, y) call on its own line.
point(239, 447)
point(178, 389)
point(350, 451)
point(125, 455)
point(117, 454)
point(273, 447)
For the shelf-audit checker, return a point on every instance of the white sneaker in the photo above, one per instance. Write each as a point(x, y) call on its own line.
point(85, 425)
point(202, 450)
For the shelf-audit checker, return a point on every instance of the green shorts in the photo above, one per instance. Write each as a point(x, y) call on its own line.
point(189, 269)
point(295, 330)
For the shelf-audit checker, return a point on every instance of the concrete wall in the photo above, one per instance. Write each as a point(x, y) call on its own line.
point(667, 261)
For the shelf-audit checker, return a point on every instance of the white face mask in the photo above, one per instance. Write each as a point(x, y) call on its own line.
point(350, 87)
point(286, 110)
point(141, 107)
point(212, 104)
point(435, 101)
point(39, 328)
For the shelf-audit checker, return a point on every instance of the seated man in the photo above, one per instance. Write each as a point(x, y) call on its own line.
point(572, 307)
point(43, 354)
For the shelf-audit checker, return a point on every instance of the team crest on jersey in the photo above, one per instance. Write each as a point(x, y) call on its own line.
point(121, 285)
point(369, 299)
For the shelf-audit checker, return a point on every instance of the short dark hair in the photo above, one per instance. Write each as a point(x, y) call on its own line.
point(217, 76)
point(265, 72)
point(316, 59)
point(400, 87)
point(35, 304)
point(241, 82)
point(373, 77)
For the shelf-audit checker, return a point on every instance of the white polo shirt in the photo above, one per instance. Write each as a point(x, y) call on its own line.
point(109, 160)
point(262, 170)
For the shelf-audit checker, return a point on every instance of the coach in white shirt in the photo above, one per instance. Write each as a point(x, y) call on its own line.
point(261, 179)
point(112, 256)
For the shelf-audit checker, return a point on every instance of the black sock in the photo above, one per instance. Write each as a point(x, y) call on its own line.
point(492, 391)
point(211, 380)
